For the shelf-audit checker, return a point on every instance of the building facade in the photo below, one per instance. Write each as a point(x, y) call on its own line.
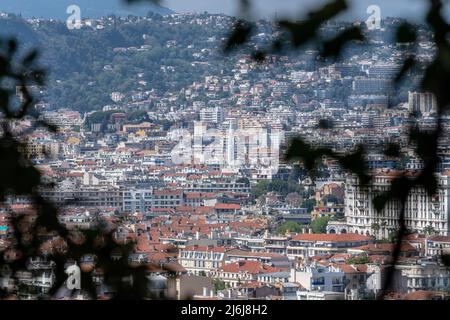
point(422, 212)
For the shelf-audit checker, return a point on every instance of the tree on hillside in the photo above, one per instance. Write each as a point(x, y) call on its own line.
point(289, 226)
point(309, 204)
point(319, 225)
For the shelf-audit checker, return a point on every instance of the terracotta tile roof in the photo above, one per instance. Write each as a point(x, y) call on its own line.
point(201, 195)
point(205, 249)
point(254, 254)
point(168, 192)
point(439, 238)
point(380, 258)
point(352, 268)
point(227, 206)
point(184, 209)
point(385, 247)
point(166, 210)
point(345, 237)
point(204, 210)
point(252, 267)
point(421, 295)
point(251, 284)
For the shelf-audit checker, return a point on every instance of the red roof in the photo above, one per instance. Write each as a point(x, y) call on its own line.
point(184, 209)
point(385, 247)
point(359, 268)
point(422, 295)
point(168, 192)
point(204, 210)
point(227, 206)
point(205, 249)
point(252, 267)
point(439, 238)
point(344, 237)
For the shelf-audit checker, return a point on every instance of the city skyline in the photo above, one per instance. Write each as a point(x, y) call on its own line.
point(152, 164)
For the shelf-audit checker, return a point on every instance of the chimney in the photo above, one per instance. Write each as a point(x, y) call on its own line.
point(205, 291)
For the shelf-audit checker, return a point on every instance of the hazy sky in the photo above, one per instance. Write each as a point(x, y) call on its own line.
point(404, 8)
point(411, 9)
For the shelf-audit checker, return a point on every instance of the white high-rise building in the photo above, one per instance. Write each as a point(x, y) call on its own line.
point(422, 213)
point(200, 131)
point(425, 102)
point(257, 146)
point(231, 143)
point(212, 115)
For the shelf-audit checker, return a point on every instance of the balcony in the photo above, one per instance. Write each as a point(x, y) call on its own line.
point(317, 283)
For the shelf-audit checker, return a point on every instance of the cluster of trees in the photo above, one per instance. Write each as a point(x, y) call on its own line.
point(219, 285)
point(288, 226)
point(281, 187)
point(78, 78)
point(309, 204)
point(138, 116)
point(101, 117)
point(358, 260)
point(319, 225)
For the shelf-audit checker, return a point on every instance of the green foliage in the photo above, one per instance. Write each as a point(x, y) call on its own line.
point(279, 186)
point(358, 260)
point(138, 116)
point(311, 157)
point(319, 225)
point(289, 226)
point(101, 117)
point(309, 204)
point(219, 285)
point(243, 180)
point(375, 226)
point(79, 78)
point(446, 260)
point(331, 198)
point(429, 230)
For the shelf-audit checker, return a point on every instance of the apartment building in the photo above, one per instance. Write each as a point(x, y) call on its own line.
point(244, 271)
point(309, 245)
point(202, 260)
point(428, 276)
point(422, 212)
point(98, 196)
point(217, 186)
point(316, 277)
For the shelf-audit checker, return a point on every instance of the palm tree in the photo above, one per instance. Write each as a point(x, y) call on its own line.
point(375, 227)
point(383, 225)
point(429, 230)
